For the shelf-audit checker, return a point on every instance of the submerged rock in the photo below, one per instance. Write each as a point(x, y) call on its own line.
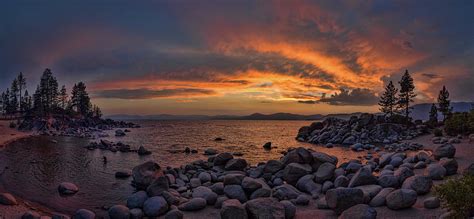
point(67, 188)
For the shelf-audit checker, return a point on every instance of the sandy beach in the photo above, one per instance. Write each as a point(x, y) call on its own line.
point(8, 134)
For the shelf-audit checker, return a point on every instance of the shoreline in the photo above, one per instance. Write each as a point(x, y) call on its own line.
point(462, 156)
point(9, 135)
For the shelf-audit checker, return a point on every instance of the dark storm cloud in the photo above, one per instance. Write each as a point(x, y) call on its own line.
point(355, 97)
point(151, 94)
point(431, 75)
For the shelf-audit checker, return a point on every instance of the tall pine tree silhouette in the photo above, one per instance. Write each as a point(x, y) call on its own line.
point(406, 95)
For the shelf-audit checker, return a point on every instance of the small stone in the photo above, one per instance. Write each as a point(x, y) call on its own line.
point(195, 204)
point(431, 203)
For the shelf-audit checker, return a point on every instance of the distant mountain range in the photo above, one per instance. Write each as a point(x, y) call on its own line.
point(420, 111)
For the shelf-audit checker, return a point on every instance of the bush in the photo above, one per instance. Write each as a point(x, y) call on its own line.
point(12, 125)
point(438, 132)
point(457, 195)
point(459, 123)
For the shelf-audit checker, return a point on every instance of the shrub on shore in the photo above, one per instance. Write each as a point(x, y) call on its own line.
point(460, 123)
point(438, 132)
point(457, 195)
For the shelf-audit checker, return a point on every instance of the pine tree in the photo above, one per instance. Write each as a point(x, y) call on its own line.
point(26, 102)
point(444, 102)
point(63, 97)
point(38, 101)
point(14, 96)
point(48, 90)
point(433, 115)
point(5, 101)
point(97, 113)
point(388, 100)
point(21, 85)
point(406, 95)
point(80, 101)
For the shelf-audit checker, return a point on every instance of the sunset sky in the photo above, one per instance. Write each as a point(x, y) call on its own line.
point(240, 57)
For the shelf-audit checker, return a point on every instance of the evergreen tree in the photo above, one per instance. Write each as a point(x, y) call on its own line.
point(26, 102)
point(21, 85)
point(433, 115)
point(63, 97)
point(38, 101)
point(5, 102)
point(406, 95)
point(14, 96)
point(80, 101)
point(97, 113)
point(48, 90)
point(388, 100)
point(8, 106)
point(444, 102)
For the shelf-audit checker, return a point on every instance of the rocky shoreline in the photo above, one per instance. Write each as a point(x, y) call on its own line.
point(364, 129)
point(275, 189)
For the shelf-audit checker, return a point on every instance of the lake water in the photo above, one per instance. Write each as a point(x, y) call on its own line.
point(33, 168)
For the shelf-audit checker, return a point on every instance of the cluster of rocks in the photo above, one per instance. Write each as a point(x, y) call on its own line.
point(447, 140)
point(274, 189)
point(114, 147)
point(73, 127)
point(365, 129)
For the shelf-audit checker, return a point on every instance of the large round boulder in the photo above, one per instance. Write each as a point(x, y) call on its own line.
point(268, 208)
point(236, 164)
point(290, 209)
point(420, 184)
point(379, 199)
point(435, 171)
point(341, 199)
point(400, 199)
point(273, 166)
point(233, 209)
point(137, 199)
point(195, 204)
point(360, 211)
point(235, 192)
point(324, 172)
point(155, 206)
point(451, 165)
point(144, 174)
point(363, 177)
point(205, 193)
point(222, 158)
point(445, 150)
point(158, 186)
point(388, 181)
point(294, 171)
point(84, 214)
point(119, 212)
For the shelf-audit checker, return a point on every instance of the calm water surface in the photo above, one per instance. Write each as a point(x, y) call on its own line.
point(32, 168)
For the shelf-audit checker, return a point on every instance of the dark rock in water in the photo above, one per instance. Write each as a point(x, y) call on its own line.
point(341, 199)
point(446, 150)
point(290, 209)
point(267, 145)
point(143, 151)
point(194, 151)
point(158, 186)
point(67, 188)
point(222, 158)
point(31, 215)
point(451, 166)
point(219, 139)
point(363, 177)
point(174, 214)
point(119, 212)
point(84, 214)
point(236, 164)
point(235, 192)
point(210, 151)
point(400, 199)
point(195, 204)
point(360, 211)
point(233, 209)
point(268, 208)
point(295, 171)
point(122, 174)
point(137, 199)
point(187, 150)
point(420, 184)
point(431, 203)
point(155, 206)
point(145, 173)
point(7, 199)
